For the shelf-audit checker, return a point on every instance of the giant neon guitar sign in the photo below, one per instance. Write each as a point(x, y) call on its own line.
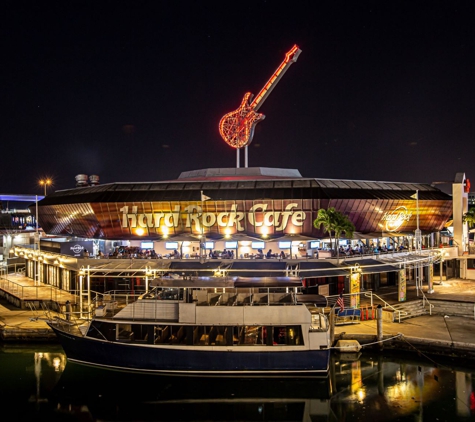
point(237, 127)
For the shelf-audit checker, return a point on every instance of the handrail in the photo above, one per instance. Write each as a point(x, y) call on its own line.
point(424, 300)
point(386, 304)
point(331, 301)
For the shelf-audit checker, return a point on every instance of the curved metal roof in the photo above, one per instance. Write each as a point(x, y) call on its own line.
point(222, 190)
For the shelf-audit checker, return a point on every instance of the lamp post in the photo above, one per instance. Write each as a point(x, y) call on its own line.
point(44, 183)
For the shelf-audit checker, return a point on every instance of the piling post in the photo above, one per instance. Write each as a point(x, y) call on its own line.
point(68, 310)
point(332, 326)
point(379, 324)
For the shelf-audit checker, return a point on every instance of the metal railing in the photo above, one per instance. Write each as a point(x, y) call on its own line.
point(350, 298)
point(42, 291)
point(425, 300)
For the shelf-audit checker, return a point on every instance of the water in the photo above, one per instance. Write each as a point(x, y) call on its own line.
point(37, 383)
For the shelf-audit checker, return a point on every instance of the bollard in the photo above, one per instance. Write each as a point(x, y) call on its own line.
point(68, 310)
point(379, 324)
point(332, 326)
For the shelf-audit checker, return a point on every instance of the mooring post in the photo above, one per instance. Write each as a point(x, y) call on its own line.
point(379, 324)
point(332, 326)
point(68, 310)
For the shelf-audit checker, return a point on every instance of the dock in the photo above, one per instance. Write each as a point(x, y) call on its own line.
point(24, 305)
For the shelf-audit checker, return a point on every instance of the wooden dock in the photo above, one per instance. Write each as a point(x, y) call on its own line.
point(25, 293)
point(24, 304)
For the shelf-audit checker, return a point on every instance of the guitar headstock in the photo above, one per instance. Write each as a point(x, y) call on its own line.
point(293, 54)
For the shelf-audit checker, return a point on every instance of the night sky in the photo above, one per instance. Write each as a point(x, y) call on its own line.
point(134, 91)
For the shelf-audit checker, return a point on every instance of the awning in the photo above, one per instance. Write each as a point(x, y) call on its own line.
point(270, 268)
point(289, 237)
point(226, 282)
point(320, 269)
point(372, 266)
point(195, 267)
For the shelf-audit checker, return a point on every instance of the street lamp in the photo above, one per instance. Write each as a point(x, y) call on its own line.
point(45, 182)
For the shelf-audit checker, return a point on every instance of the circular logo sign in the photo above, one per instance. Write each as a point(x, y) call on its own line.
point(393, 220)
point(77, 248)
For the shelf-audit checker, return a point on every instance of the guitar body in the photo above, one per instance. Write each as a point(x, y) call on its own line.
point(237, 127)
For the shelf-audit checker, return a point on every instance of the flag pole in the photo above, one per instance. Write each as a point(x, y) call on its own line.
point(203, 238)
point(418, 231)
point(418, 247)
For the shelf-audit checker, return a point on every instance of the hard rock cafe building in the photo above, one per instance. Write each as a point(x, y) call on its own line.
point(240, 210)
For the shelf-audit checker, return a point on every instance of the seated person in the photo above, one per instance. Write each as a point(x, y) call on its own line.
point(260, 254)
point(282, 255)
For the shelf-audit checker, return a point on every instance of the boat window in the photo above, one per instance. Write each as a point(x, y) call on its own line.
point(170, 294)
point(199, 335)
point(102, 330)
point(319, 322)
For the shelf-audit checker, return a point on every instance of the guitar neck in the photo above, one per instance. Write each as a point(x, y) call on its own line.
point(290, 57)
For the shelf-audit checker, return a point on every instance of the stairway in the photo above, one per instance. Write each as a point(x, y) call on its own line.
point(413, 309)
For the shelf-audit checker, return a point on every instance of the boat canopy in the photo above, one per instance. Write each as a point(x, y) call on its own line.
point(226, 282)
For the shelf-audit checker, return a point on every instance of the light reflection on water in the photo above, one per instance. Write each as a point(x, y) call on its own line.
point(38, 384)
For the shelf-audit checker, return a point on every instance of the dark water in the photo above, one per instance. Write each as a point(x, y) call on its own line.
point(38, 384)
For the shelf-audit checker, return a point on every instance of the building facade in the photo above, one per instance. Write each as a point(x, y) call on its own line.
point(241, 203)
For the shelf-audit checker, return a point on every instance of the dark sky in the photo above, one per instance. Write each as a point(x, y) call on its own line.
point(134, 91)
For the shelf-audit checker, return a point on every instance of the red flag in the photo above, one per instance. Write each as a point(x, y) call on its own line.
point(340, 302)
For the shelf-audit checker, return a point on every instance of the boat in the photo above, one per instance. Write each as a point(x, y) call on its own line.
point(205, 326)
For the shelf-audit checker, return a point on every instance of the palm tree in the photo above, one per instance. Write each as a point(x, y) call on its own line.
point(336, 222)
point(342, 225)
point(469, 217)
point(325, 218)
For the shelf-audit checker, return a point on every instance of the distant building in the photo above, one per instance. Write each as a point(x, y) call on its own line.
point(471, 199)
point(17, 221)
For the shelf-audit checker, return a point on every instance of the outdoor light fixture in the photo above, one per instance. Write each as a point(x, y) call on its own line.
point(44, 183)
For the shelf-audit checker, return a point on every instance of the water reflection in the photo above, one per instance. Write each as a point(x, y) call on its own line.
point(379, 388)
point(38, 384)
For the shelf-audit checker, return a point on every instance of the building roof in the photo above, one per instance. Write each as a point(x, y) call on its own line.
point(245, 184)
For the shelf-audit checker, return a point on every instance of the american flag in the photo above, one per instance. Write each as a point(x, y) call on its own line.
point(340, 302)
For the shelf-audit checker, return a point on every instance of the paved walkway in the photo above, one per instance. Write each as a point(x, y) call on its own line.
point(447, 333)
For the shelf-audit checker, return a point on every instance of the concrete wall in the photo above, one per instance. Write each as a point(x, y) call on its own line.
point(446, 307)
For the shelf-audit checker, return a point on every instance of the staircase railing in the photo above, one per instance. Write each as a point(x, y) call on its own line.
point(347, 298)
point(398, 312)
point(425, 300)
